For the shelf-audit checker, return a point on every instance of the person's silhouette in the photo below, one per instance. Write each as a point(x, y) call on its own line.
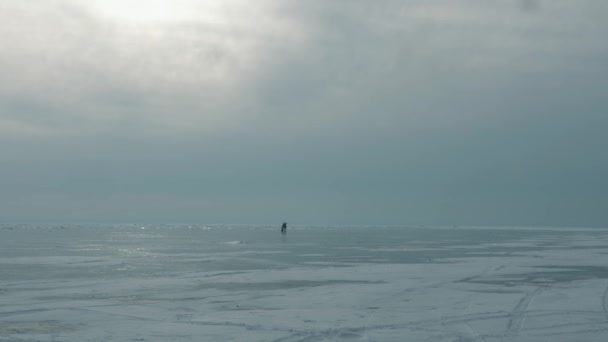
point(284, 227)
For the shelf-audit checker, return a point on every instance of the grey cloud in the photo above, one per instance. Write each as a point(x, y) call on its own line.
point(452, 112)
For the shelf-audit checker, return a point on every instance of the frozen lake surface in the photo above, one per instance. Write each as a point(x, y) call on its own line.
point(250, 283)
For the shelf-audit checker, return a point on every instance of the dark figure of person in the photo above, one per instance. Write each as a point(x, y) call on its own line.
point(284, 227)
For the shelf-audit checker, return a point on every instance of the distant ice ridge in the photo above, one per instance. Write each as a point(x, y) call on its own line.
point(189, 283)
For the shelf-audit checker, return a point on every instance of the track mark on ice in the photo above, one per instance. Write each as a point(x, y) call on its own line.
point(518, 316)
point(604, 304)
point(332, 335)
point(361, 333)
point(474, 335)
point(131, 316)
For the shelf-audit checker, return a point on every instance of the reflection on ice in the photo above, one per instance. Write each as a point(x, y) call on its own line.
point(250, 283)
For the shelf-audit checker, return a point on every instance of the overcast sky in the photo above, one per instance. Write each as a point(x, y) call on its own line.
point(368, 112)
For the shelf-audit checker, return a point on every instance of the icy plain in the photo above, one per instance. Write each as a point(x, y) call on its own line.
point(251, 283)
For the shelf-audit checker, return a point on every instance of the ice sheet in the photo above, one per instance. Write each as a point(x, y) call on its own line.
point(250, 283)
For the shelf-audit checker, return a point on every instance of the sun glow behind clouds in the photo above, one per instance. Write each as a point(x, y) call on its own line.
point(182, 62)
point(142, 10)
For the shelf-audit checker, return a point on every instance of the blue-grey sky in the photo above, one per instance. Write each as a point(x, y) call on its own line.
point(370, 112)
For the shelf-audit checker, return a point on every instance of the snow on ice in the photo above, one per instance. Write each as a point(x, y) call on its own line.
point(250, 283)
